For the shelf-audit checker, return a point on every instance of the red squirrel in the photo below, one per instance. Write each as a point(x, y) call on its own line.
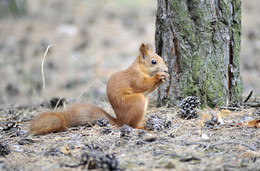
point(127, 92)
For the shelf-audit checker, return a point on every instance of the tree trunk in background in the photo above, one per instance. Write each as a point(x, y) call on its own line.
point(200, 42)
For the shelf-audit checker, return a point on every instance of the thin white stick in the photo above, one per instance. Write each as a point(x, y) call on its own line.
point(87, 87)
point(42, 70)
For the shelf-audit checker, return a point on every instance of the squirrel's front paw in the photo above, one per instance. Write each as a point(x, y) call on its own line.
point(162, 76)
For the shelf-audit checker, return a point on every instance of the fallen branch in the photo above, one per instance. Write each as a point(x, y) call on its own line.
point(217, 144)
point(248, 97)
point(253, 104)
point(229, 108)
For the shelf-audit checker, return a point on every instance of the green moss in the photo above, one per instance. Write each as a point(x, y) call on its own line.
point(197, 67)
point(182, 20)
point(235, 30)
point(203, 49)
point(213, 87)
point(237, 8)
point(190, 89)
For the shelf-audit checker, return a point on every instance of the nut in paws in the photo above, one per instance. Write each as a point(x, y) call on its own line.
point(162, 76)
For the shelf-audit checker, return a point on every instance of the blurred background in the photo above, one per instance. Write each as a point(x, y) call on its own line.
point(88, 41)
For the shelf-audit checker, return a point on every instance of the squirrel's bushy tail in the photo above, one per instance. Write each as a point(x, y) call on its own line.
point(76, 115)
point(47, 122)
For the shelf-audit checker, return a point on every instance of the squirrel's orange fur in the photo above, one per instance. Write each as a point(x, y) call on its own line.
point(127, 93)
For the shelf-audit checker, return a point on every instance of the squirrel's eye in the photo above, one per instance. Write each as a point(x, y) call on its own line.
point(153, 62)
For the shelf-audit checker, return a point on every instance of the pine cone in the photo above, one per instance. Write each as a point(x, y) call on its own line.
point(93, 146)
point(57, 102)
point(98, 160)
point(157, 123)
point(212, 121)
point(103, 122)
point(4, 149)
point(126, 131)
point(189, 107)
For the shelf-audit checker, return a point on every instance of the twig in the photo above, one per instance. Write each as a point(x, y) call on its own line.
point(236, 143)
point(252, 104)
point(229, 108)
point(73, 165)
point(255, 104)
point(248, 97)
point(244, 104)
point(57, 104)
point(43, 60)
point(212, 145)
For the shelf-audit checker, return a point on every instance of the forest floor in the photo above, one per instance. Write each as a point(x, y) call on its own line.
point(89, 41)
point(203, 143)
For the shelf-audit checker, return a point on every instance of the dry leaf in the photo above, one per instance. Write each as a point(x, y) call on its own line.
point(249, 154)
point(251, 124)
point(203, 119)
point(224, 113)
point(220, 120)
point(254, 123)
point(65, 149)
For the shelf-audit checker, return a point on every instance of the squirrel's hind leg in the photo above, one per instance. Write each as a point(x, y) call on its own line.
point(133, 111)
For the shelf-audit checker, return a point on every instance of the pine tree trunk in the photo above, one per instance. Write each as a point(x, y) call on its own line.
point(200, 42)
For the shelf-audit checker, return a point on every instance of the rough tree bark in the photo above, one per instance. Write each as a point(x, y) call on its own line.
point(200, 42)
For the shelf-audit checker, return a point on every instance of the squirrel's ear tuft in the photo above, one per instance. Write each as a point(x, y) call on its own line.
point(143, 51)
point(149, 47)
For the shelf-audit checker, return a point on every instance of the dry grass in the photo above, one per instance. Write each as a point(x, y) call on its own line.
point(187, 145)
point(110, 44)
